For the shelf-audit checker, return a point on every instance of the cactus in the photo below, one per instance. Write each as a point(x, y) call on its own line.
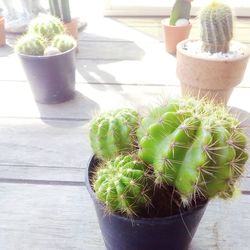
point(51, 51)
point(181, 10)
point(30, 44)
point(216, 27)
point(113, 133)
point(46, 26)
point(63, 42)
point(195, 146)
point(122, 185)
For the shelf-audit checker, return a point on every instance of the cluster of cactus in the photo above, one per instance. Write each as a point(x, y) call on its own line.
point(46, 26)
point(44, 32)
point(114, 133)
point(31, 44)
point(122, 185)
point(180, 11)
point(63, 42)
point(195, 147)
point(216, 27)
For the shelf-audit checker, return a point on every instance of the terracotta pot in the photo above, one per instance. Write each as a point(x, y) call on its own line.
point(72, 28)
point(209, 77)
point(2, 32)
point(174, 34)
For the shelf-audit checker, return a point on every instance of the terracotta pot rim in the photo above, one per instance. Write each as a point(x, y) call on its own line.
point(179, 49)
point(165, 22)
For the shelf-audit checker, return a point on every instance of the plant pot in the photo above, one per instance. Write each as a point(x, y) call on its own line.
point(174, 34)
point(213, 78)
point(52, 78)
point(2, 32)
point(72, 28)
point(119, 232)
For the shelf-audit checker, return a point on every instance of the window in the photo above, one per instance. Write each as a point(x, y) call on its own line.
point(163, 7)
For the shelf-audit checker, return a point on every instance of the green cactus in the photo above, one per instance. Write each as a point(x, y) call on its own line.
point(46, 26)
point(195, 146)
point(181, 10)
point(122, 185)
point(113, 133)
point(216, 27)
point(63, 42)
point(30, 44)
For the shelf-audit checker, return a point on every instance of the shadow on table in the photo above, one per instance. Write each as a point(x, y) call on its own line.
point(73, 113)
point(95, 51)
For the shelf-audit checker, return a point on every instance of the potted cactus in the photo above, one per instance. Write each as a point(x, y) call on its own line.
point(177, 27)
point(61, 9)
point(152, 176)
point(213, 65)
point(48, 57)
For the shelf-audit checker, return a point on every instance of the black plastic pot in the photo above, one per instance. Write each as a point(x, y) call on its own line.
point(52, 78)
point(167, 233)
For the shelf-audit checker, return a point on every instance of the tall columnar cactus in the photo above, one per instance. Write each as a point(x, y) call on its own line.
point(216, 27)
point(63, 42)
point(194, 146)
point(46, 26)
point(113, 133)
point(30, 44)
point(181, 10)
point(122, 185)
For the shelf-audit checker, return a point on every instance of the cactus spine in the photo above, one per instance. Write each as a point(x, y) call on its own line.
point(122, 185)
point(181, 10)
point(46, 26)
point(30, 44)
point(63, 42)
point(196, 147)
point(216, 27)
point(113, 133)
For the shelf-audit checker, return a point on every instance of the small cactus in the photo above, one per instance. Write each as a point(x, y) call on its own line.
point(216, 27)
point(196, 147)
point(113, 133)
point(63, 42)
point(122, 185)
point(51, 51)
point(181, 10)
point(30, 44)
point(46, 26)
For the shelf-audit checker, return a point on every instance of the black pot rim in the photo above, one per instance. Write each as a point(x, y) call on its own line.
point(142, 220)
point(47, 56)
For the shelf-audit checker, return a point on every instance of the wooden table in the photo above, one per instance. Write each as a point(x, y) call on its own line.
point(44, 149)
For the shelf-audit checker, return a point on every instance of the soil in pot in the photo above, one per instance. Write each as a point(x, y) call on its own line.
point(171, 227)
point(174, 34)
point(209, 75)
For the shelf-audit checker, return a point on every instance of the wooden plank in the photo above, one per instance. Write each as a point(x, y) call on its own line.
point(48, 217)
point(43, 174)
point(155, 68)
point(91, 98)
point(33, 142)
